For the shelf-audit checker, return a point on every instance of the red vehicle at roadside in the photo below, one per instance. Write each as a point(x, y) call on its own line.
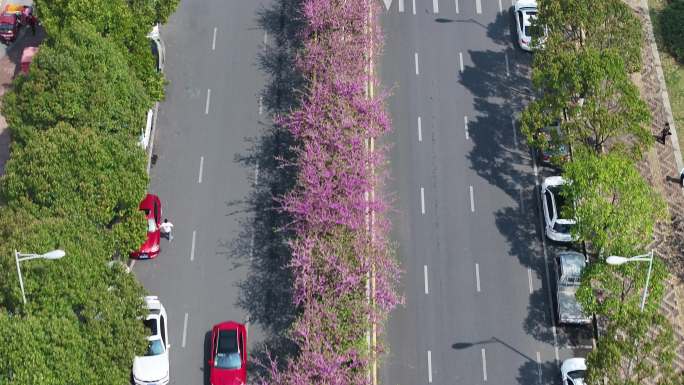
point(13, 17)
point(228, 355)
point(151, 206)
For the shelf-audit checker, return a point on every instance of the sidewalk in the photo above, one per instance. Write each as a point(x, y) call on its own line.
point(9, 68)
point(661, 168)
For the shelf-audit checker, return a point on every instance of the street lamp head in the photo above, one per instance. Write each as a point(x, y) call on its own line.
point(54, 254)
point(616, 260)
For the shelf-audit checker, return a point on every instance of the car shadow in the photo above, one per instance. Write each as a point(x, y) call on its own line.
point(206, 355)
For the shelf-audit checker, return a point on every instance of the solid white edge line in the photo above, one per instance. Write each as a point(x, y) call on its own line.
point(185, 329)
point(472, 200)
point(201, 169)
point(484, 365)
point(435, 6)
point(477, 276)
point(529, 279)
point(401, 6)
point(478, 6)
point(508, 69)
point(539, 367)
point(213, 40)
point(206, 106)
point(546, 261)
point(460, 60)
point(415, 58)
point(515, 130)
point(456, 2)
point(422, 201)
point(429, 358)
point(465, 126)
point(420, 130)
point(425, 274)
point(192, 246)
point(256, 174)
point(414, 6)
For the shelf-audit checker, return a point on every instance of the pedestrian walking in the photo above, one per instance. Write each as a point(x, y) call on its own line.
point(664, 133)
point(165, 229)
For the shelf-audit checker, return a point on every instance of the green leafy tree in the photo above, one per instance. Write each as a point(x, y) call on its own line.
point(124, 23)
point(615, 208)
point(575, 25)
point(638, 348)
point(592, 96)
point(81, 79)
point(80, 325)
point(79, 174)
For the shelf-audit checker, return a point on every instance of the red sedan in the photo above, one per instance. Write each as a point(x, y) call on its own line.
point(228, 355)
point(151, 206)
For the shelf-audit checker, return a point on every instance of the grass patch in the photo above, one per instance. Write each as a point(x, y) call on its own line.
point(672, 69)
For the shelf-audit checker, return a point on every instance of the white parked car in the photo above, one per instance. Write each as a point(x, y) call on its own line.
point(153, 367)
point(572, 371)
point(525, 13)
point(157, 46)
point(557, 229)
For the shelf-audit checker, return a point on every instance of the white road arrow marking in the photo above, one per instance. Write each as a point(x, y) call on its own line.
point(388, 4)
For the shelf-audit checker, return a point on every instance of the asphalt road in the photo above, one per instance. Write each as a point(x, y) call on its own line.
point(211, 110)
point(478, 304)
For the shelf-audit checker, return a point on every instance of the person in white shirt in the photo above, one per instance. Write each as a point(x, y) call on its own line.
point(165, 229)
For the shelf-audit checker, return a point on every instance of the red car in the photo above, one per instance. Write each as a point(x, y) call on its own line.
point(228, 355)
point(151, 205)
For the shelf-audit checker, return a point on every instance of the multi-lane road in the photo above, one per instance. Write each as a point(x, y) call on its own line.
point(212, 107)
point(478, 306)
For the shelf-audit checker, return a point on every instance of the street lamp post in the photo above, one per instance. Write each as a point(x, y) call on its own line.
point(19, 257)
point(617, 260)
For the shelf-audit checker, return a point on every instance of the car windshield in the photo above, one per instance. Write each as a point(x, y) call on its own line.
point(155, 53)
point(151, 326)
point(227, 352)
point(151, 225)
point(558, 198)
point(6, 27)
point(155, 347)
point(576, 374)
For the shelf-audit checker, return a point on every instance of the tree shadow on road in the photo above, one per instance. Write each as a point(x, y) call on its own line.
point(266, 291)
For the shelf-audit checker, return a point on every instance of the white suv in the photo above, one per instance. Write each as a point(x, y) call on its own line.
point(153, 367)
point(557, 229)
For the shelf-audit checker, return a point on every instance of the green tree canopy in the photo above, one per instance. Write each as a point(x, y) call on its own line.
point(576, 25)
point(126, 23)
point(80, 325)
point(592, 96)
point(81, 79)
point(637, 349)
point(615, 208)
point(78, 174)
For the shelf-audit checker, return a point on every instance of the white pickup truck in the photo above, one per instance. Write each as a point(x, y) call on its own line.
point(569, 266)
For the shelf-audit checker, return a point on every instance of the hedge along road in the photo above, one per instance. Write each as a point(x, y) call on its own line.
point(211, 107)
